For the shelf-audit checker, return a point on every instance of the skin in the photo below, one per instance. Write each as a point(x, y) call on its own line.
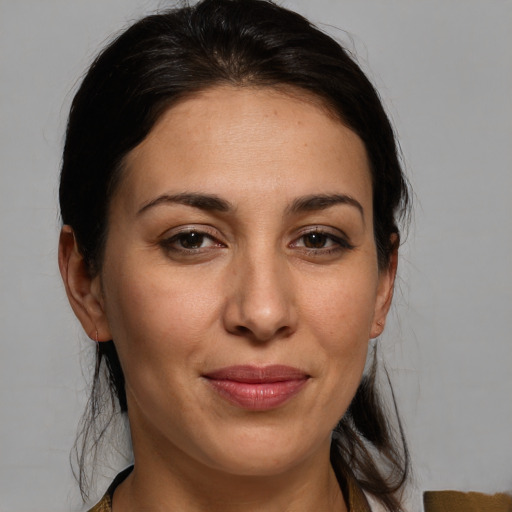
point(256, 289)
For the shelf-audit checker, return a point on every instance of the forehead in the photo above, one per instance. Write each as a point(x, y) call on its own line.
point(226, 139)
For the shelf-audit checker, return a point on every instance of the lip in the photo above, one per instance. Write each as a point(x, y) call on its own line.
point(257, 388)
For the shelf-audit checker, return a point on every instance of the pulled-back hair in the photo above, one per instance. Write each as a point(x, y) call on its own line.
point(167, 57)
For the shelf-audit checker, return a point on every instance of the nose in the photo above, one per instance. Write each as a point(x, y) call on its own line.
point(261, 305)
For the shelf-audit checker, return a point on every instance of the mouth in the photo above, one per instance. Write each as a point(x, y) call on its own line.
point(257, 388)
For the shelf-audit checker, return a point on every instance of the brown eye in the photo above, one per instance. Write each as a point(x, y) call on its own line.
point(191, 240)
point(315, 240)
point(322, 243)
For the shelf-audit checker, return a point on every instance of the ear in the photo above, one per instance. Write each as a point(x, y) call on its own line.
point(385, 289)
point(83, 291)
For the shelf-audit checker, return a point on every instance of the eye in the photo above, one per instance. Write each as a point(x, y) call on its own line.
point(316, 240)
point(190, 241)
point(320, 242)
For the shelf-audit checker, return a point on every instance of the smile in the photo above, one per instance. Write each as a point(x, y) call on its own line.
point(257, 388)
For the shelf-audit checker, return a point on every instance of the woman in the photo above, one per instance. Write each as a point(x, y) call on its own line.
point(230, 193)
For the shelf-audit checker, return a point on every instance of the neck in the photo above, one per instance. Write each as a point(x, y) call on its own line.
point(175, 482)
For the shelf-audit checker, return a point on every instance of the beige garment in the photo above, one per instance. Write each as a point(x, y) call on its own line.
point(454, 501)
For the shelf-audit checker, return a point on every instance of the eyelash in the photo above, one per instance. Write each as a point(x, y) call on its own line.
point(169, 243)
point(340, 242)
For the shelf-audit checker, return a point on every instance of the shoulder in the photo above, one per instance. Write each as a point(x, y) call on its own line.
point(455, 501)
point(105, 505)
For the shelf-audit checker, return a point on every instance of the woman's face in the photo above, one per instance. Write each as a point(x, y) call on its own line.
point(240, 281)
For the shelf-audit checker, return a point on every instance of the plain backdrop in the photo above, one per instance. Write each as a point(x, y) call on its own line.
point(444, 71)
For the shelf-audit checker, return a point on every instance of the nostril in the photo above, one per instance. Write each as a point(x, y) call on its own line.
point(283, 330)
point(261, 335)
point(241, 329)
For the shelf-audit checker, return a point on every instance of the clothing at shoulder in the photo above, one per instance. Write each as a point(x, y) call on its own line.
point(105, 505)
point(454, 501)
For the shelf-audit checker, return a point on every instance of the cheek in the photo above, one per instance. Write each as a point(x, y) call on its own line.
point(339, 315)
point(158, 316)
point(341, 308)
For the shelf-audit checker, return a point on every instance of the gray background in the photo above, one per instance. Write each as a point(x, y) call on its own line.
point(444, 70)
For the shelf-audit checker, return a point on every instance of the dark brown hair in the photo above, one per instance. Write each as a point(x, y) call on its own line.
point(166, 57)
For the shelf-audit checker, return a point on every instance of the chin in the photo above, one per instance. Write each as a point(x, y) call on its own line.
point(264, 465)
point(264, 456)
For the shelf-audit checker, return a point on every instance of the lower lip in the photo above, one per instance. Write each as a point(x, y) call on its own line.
point(257, 396)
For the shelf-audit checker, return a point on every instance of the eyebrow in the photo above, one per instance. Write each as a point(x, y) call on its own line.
point(207, 202)
point(211, 202)
point(322, 202)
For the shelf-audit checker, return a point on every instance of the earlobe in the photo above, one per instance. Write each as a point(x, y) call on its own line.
point(385, 290)
point(83, 291)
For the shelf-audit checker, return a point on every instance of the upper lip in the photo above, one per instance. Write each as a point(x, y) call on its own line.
point(257, 374)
